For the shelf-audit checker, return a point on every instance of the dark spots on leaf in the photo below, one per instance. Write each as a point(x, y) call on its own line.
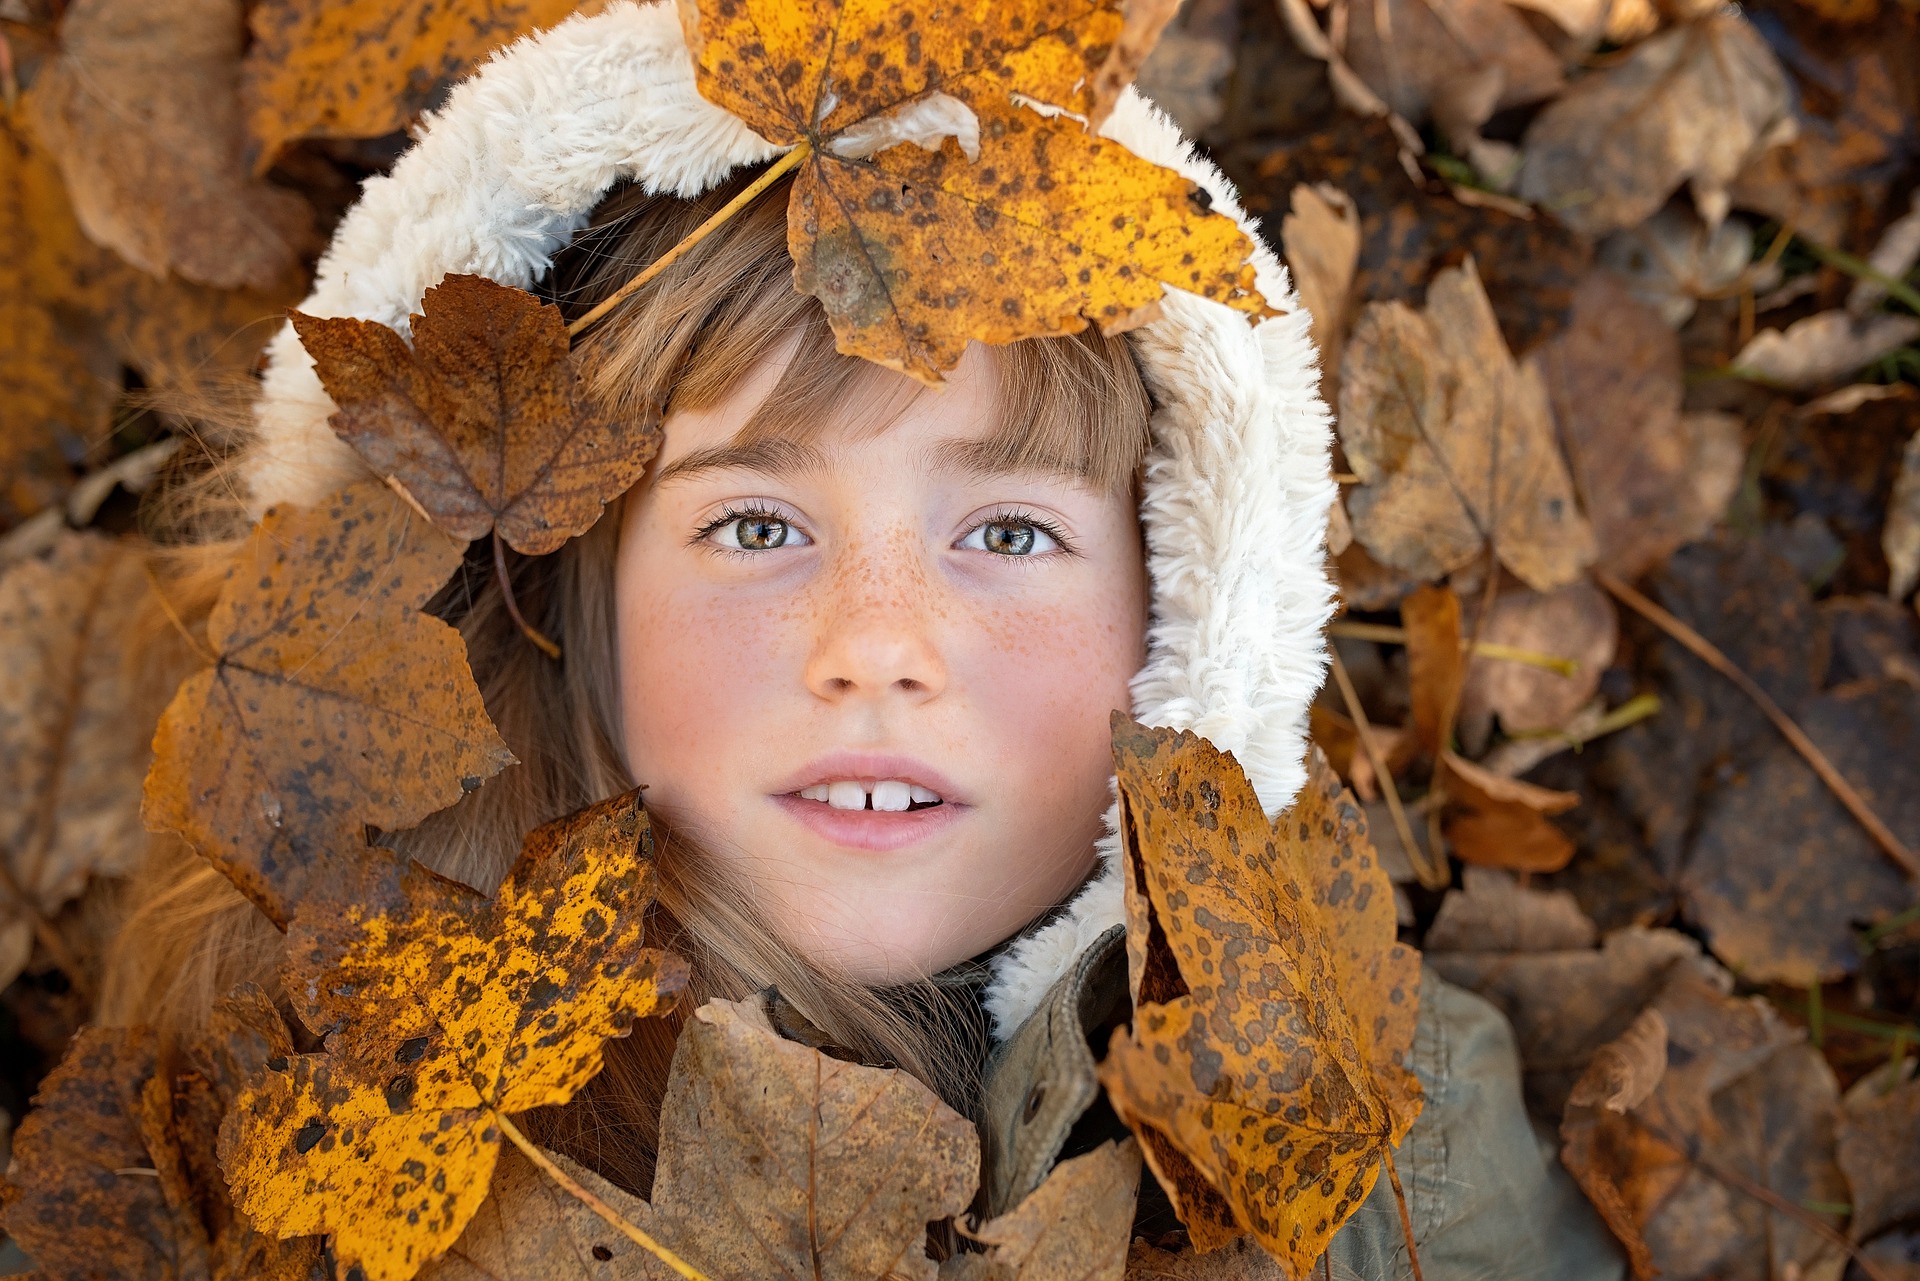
point(309, 1135)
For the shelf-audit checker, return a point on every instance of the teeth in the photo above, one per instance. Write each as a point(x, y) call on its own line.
point(889, 795)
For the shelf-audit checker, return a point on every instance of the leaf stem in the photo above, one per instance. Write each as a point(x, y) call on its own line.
point(1706, 652)
point(1406, 1220)
point(1861, 269)
point(1387, 634)
point(774, 173)
point(594, 1203)
point(540, 639)
point(1431, 877)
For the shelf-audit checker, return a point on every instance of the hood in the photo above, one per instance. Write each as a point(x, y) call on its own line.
point(1237, 482)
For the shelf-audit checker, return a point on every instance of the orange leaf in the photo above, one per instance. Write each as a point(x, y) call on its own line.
point(1436, 665)
point(446, 1011)
point(1502, 822)
point(1267, 1070)
point(332, 702)
point(482, 422)
point(935, 206)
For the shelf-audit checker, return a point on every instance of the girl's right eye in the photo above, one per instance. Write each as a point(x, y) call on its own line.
point(754, 531)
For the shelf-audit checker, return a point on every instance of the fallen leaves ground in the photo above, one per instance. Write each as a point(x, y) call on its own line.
point(1611, 293)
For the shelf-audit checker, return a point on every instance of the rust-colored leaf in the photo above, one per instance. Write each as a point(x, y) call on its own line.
point(1502, 822)
point(1073, 1227)
point(71, 756)
point(332, 702)
point(326, 69)
point(140, 110)
point(446, 1011)
point(483, 421)
point(1454, 443)
point(935, 206)
point(114, 1171)
point(1436, 663)
point(1267, 1070)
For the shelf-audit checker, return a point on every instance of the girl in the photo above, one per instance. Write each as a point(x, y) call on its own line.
point(859, 640)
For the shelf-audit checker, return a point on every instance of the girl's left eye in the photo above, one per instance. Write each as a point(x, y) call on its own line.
point(1011, 536)
point(754, 532)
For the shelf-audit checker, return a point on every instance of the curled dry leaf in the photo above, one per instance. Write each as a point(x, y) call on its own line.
point(1492, 913)
point(1576, 622)
point(1879, 1132)
point(1625, 1070)
point(1502, 822)
point(332, 702)
point(1690, 105)
point(483, 421)
point(1454, 443)
point(1413, 53)
point(1823, 348)
point(445, 1011)
point(1073, 1227)
point(114, 1171)
point(140, 109)
point(1322, 240)
point(71, 756)
point(1267, 1071)
point(1900, 536)
point(1436, 662)
point(1021, 223)
point(1140, 31)
point(326, 69)
point(1650, 478)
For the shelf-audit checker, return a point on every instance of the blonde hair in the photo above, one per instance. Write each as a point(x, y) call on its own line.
point(1076, 403)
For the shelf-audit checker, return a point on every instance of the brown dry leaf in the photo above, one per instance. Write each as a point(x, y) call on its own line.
point(1740, 1099)
point(1823, 348)
point(933, 209)
point(326, 69)
point(1436, 664)
point(1321, 237)
point(483, 421)
point(1690, 105)
point(1650, 478)
point(1492, 913)
point(73, 314)
point(1576, 622)
point(1900, 536)
point(446, 1011)
point(1240, 1261)
point(1185, 75)
point(1267, 1070)
point(1415, 52)
point(140, 110)
point(71, 757)
point(1454, 443)
point(332, 702)
point(113, 1171)
point(1140, 31)
point(531, 1229)
point(1673, 260)
point(1073, 1227)
point(1879, 1132)
point(1625, 1070)
point(1502, 822)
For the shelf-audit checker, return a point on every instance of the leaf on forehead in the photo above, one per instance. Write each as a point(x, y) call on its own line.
point(937, 206)
point(332, 701)
point(114, 1171)
point(446, 1010)
point(1267, 1071)
point(482, 420)
point(1454, 443)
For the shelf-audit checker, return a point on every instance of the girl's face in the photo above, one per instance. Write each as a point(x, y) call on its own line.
point(871, 677)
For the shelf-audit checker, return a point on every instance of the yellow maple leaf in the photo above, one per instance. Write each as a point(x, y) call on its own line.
point(1267, 1071)
point(448, 1012)
point(948, 189)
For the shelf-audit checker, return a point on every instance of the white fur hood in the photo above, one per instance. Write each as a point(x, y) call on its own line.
point(1237, 485)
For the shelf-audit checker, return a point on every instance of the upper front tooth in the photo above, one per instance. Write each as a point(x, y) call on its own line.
point(892, 795)
point(922, 796)
point(847, 795)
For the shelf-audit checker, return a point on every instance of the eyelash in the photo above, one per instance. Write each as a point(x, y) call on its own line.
point(1019, 516)
point(752, 510)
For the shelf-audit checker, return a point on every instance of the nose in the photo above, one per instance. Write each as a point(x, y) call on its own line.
point(875, 635)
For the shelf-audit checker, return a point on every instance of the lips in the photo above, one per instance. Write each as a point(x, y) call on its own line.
point(870, 801)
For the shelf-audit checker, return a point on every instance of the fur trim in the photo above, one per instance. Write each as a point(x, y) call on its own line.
point(1237, 481)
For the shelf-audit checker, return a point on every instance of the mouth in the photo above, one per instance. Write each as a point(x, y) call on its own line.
point(866, 801)
point(885, 796)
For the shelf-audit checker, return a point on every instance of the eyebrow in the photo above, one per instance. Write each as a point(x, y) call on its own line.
point(985, 459)
point(770, 456)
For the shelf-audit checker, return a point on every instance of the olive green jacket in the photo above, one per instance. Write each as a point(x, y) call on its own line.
point(1488, 1199)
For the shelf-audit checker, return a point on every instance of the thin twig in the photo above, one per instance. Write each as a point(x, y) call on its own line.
point(179, 625)
point(773, 174)
point(1406, 1220)
point(1387, 634)
point(613, 1217)
point(1706, 652)
point(1432, 878)
point(532, 633)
